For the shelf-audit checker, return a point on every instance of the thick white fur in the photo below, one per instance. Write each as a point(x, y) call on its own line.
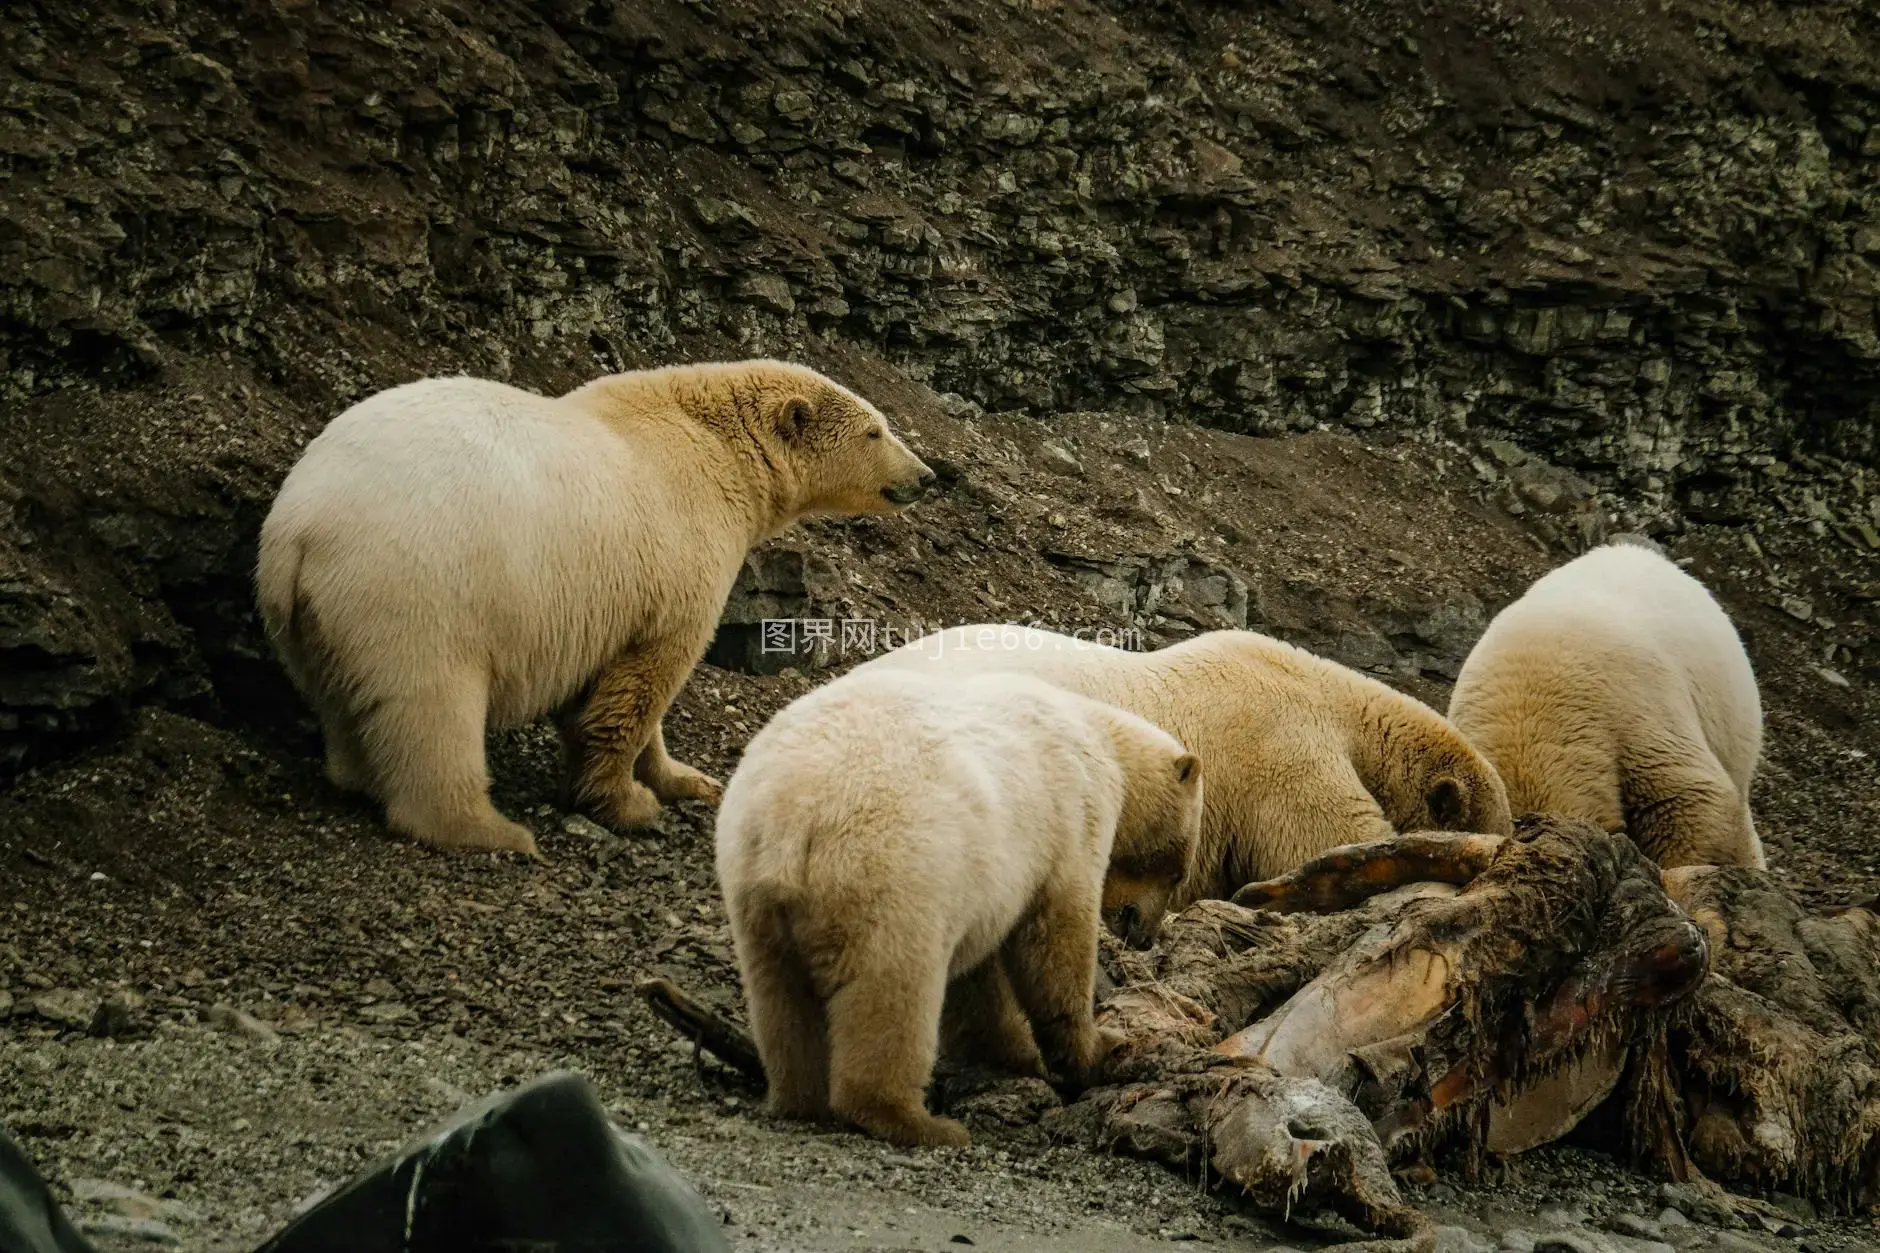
point(455, 553)
point(1616, 690)
point(890, 833)
point(1303, 754)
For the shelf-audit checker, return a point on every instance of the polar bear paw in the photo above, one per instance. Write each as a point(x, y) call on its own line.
point(681, 782)
point(492, 833)
point(626, 805)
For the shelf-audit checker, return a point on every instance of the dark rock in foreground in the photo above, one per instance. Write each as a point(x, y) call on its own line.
point(538, 1167)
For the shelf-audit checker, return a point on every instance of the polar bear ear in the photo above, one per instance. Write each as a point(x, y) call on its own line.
point(793, 418)
point(1187, 768)
point(1445, 802)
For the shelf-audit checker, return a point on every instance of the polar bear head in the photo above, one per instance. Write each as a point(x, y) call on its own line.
point(1157, 835)
point(831, 452)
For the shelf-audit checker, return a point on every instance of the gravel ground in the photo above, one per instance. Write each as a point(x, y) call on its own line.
point(290, 992)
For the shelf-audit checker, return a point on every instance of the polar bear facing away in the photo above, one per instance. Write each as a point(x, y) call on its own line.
point(891, 833)
point(1616, 690)
point(1303, 754)
point(455, 554)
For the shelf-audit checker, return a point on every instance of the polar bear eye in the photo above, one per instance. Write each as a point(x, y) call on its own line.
point(875, 434)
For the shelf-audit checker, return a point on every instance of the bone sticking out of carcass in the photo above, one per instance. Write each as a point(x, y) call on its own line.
point(705, 1027)
point(1547, 1110)
point(1352, 873)
point(1350, 1006)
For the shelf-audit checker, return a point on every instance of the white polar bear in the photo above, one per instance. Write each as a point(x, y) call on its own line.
point(1616, 690)
point(454, 554)
point(890, 834)
point(1303, 754)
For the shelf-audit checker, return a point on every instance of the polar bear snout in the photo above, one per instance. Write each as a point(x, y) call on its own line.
point(905, 478)
point(1134, 906)
point(911, 490)
point(865, 470)
point(1127, 925)
point(901, 475)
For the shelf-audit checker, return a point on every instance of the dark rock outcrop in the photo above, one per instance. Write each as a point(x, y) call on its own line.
point(1640, 244)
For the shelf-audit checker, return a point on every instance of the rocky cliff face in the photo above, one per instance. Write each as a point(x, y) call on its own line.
point(1639, 243)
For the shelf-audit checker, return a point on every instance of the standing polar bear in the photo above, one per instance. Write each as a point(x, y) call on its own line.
point(1616, 690)
point(891, 833)
point(454, 554)
point(1303, 753)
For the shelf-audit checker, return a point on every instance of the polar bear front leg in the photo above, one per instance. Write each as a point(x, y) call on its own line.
point(1052, 960)
point(984, 1024)
point(617, 725)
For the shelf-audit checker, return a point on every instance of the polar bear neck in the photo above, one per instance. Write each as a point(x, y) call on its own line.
point(1397, 748)
point(711, 437)
point(755, 475)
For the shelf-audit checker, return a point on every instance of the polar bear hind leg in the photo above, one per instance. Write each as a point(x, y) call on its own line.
point(424, 746)
point(785, 1012)
point(346, 765)
point(1683, 810)
point(884, 1035)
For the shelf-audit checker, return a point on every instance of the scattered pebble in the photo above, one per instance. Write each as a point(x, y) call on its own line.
point(1572, 1242)
point(127, 1202)
point(67, 1007)
point(1058, 459)
point(130, 1230)
point(584, 828)
point(236, 1022)
point(1637, 1226)
point(1452, 1239)
point(119, 1014)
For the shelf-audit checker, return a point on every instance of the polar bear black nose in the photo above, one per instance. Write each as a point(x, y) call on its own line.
point(1129, 928)
point(927, 479)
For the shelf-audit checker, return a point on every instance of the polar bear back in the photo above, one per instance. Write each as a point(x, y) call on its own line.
point(1302, 754)
point(1644, 639)
point(1078, 665)
point(1170, 686)
point(465, 507)
point(909, 802)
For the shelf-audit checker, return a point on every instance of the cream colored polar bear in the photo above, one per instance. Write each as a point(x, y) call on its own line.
point(454, 554)
point(890, 833)
point(1616, 690)
point(1303, 754)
